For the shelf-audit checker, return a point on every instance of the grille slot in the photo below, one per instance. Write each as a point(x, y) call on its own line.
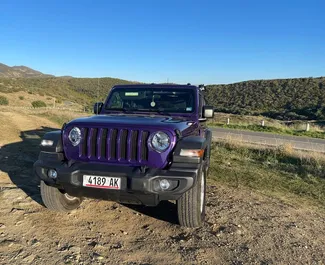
point(134, 145)
point(84, 145)
point(103, 152)
point(93, 142)
point(144, 146)
point(123, 144)
point(114, 144)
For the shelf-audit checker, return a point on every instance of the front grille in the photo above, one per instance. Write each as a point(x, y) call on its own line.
point(114, 145)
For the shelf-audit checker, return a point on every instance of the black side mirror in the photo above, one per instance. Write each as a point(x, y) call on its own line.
point(98, 107)
point(208, 111)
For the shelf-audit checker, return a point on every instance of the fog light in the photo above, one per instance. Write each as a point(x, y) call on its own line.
point(164, 184)
point(52, 174)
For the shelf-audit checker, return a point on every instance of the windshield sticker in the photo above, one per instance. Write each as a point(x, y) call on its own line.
point(152, 104)
point(189, 109)
point(131, 94)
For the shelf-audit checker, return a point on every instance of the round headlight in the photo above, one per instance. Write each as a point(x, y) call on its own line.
point(160, 141)
point(75, 136)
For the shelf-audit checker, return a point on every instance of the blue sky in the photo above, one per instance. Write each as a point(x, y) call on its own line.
point(152, 41)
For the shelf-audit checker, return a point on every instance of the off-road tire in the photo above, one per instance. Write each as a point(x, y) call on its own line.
point(56, 200)
point(189, 204)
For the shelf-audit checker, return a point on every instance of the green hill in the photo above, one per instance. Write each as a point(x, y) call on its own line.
point(298, 98)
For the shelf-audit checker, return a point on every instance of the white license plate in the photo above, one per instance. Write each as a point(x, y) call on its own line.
point(101, 182)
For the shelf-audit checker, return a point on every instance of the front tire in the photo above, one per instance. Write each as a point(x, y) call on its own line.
point(191, 205)
point(56, 200)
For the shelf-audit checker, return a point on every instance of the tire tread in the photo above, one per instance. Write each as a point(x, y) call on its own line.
point(53, 199)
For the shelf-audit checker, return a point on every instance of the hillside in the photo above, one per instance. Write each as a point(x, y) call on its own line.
point(80, 90)
point(299, 98)
point(295, 99)
point(19, 71)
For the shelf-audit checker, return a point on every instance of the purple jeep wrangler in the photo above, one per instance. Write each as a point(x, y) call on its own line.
point(146, 144)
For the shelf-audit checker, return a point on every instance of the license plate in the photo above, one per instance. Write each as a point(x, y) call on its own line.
point(101, 182)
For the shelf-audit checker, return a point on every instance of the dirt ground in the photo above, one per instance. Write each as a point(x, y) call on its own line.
point(243, 226)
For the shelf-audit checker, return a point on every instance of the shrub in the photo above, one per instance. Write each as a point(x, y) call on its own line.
point(30, 92)
point(3, 100)
point(38, 104)
point(21, 97)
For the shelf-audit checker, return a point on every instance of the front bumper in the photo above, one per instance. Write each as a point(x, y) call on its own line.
point(137, 186)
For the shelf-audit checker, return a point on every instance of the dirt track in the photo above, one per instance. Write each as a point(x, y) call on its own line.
point(243, 227)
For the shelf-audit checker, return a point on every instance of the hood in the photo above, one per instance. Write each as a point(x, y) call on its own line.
point(125, 139)
point(184, 125)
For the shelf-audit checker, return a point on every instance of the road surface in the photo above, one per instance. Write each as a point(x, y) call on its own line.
point(270, 139)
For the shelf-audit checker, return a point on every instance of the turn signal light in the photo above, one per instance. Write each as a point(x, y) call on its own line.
point(192, 152)
point(47, 143)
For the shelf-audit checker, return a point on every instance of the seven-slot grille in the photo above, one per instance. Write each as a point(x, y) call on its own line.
point(114, 144)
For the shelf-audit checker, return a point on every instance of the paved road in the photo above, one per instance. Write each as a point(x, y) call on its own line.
point(297, 142)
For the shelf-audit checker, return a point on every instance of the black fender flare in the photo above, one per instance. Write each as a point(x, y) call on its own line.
point(56, 137)
point(192, 142)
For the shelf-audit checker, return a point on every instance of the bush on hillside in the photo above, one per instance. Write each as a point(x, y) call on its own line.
point(3, 100)
point(21, 97)
point(38, 104)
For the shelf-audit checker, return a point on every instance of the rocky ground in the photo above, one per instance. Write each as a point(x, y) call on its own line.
point(242, 227)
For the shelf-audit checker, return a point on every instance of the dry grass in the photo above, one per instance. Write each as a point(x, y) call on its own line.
point(283, 172)
point(59, 116)
point(285, 149)
point(245, 120)
point(24, 99)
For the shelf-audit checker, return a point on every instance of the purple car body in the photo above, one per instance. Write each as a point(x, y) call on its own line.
point(142, 145)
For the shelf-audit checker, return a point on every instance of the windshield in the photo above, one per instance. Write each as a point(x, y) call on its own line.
point(152, 100)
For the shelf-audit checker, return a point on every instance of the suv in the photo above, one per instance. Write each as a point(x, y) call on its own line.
point(146, 144)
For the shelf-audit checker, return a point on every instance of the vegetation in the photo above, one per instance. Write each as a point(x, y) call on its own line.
point(277, 172)
point(283, 99)
point(21, 97)
point(3, 100)
point(38, 104)
point(84, 91)
point(293, 99)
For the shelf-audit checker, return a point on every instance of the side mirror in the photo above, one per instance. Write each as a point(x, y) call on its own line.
point(98, 107)
point(208, 111)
